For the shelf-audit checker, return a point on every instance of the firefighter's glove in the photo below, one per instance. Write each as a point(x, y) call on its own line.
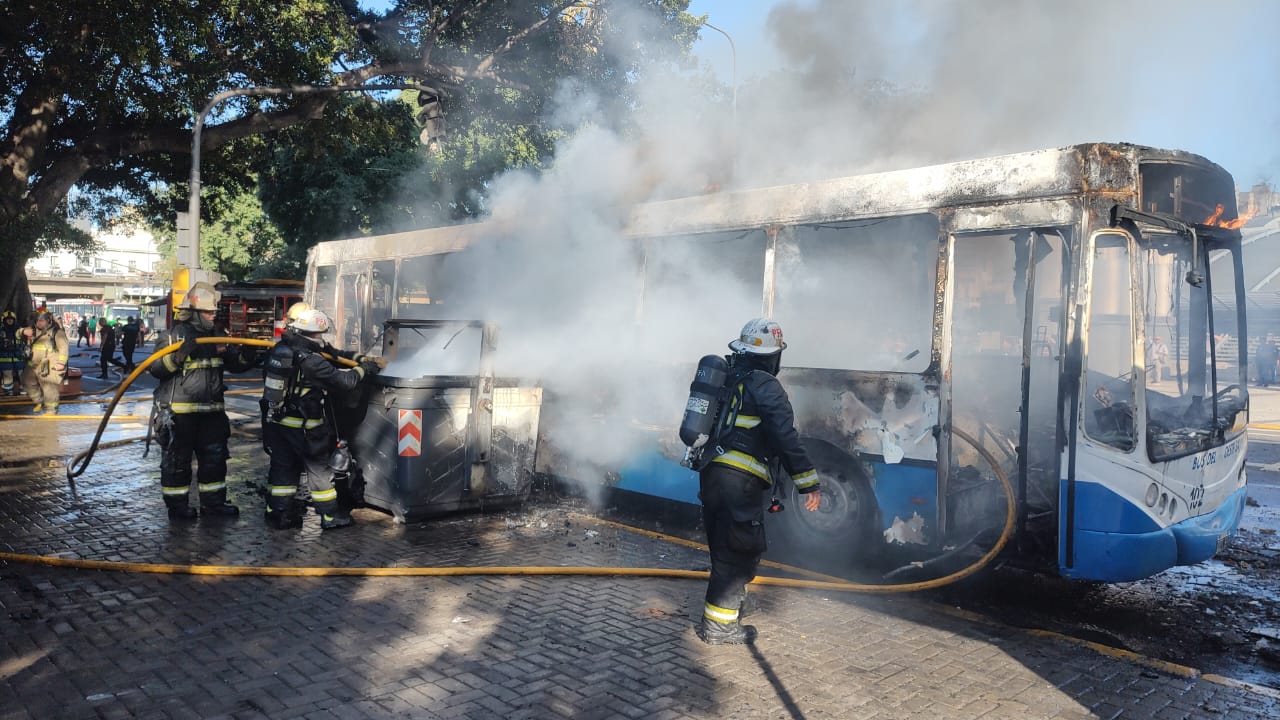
point(184, 351)
point(370, 365)
point(362, 359)
point(813, 500)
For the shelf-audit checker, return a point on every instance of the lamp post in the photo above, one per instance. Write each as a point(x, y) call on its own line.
point(193, 202)
point(733, 51)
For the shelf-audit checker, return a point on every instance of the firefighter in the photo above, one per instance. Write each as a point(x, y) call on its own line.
point(47, 350)
point(12, 353)
point(299, 429)
point(758, 428)
point(189, 416)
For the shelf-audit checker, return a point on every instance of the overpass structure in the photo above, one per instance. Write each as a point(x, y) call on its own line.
point(102, 287)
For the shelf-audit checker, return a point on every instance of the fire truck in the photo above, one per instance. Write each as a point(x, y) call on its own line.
point(252, 309)
point(257, 309)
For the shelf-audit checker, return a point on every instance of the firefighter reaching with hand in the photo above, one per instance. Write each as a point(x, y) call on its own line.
point(13, 353)
point(48, 349)
point(299, 428)
point(759, 426)
point(190, 417)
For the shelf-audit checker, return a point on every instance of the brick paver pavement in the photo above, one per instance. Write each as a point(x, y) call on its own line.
point(90, 644)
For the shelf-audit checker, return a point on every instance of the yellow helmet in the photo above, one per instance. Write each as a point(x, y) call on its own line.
point(201, 296)
point(9, 315)
point(296, 310)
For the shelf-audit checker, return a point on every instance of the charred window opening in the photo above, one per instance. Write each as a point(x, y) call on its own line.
point(1191, 194)
point(858, 295)
point(1194, 378)
point(417, 286)
point(1109, 379)
point(326, 289)
point(715, 277)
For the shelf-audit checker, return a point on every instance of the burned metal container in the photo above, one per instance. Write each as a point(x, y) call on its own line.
point(435, 443)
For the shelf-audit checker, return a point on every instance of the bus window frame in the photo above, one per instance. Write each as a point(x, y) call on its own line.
point(1087, 389)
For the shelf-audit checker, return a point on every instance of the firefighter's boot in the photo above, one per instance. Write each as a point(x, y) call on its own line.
point(331, 517)
point(714, 632)
point(281, 515)
point(222, 509)
point(181, 510)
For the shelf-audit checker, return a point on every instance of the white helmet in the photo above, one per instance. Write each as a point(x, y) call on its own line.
point(201, 296)
point(311, 321)
point(296, 310)
point(760, 336)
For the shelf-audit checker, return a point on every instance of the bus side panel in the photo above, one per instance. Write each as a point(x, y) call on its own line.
point(906, 494)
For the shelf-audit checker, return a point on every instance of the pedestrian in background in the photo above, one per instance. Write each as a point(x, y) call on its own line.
point(93, 328)
point(107, 351)
point(82, 332)
point(129, 341)
point(1265, 359)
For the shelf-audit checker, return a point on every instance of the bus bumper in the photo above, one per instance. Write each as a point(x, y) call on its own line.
point(1123, 557)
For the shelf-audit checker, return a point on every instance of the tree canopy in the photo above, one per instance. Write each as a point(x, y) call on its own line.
point(100, 96)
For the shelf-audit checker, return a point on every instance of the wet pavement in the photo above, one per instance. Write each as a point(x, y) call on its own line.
point(100, 644)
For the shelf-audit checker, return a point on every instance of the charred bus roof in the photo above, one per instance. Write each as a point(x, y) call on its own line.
point(1171, 182)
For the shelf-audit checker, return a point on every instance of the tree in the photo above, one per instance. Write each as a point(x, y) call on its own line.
point(99, 94)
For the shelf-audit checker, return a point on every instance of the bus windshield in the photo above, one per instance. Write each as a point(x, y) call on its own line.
point(1195, 382)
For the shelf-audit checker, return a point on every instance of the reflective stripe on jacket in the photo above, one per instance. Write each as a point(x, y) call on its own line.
point(764, 427)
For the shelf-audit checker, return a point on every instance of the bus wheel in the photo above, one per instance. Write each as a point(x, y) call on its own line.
point(843, 528)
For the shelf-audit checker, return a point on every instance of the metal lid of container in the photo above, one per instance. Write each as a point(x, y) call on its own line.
point(429, 381)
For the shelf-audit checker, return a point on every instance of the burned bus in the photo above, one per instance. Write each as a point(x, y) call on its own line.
point(1073, 312)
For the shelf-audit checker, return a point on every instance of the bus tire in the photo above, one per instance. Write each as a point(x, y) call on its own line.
point(844, 528)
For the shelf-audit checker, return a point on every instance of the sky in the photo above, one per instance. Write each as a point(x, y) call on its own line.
point(1194, 76)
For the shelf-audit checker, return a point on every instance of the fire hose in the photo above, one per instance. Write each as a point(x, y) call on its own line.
point(282, 571)
point(78, 464)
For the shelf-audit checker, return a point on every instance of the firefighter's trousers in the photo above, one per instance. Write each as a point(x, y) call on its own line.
point(293, 451)
point(203, 435)
point(42, 389)
point(733, 514)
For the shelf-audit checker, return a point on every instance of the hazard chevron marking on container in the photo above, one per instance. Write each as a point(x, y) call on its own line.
point(410, 433)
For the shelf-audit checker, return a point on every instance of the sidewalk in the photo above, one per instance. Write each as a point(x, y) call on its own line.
point(92, 644)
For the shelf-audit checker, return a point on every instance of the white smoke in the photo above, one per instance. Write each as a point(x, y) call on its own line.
point(613, 327)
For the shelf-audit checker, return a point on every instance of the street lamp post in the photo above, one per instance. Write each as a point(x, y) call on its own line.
point(733, 51)
point(193, 202)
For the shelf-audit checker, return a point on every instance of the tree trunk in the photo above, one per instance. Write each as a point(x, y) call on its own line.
point(15, 292)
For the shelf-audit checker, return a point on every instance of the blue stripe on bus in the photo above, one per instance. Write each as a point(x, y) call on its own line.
point(652, 473)
point(1113, 545)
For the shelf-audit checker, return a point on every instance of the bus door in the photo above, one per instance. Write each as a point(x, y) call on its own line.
point(1006, 340)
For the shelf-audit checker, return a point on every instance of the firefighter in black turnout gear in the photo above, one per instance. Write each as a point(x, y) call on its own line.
point(299, 424)
point(189, 414)
point(757, 427)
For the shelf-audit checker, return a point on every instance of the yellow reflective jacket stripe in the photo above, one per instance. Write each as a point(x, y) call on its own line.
point(746, 463)
point(806, 479)
point(190, 363)
point(184, 408)
point(747, 421)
